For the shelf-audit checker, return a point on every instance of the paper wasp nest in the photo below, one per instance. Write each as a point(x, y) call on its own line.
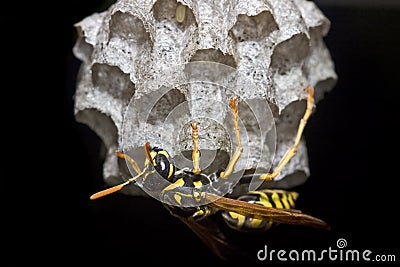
point(149, 67)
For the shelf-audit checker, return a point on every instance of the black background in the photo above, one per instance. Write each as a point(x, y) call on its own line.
point(351, 144)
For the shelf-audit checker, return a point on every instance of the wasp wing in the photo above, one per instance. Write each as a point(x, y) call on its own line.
point(210, 233)
point(294, 217)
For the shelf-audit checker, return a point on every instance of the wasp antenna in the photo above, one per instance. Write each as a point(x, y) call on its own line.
point(130, 160)
point(107, 191)
point(117, 187)
point(147, 152)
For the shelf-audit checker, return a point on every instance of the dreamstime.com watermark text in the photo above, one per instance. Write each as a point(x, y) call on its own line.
point(338, 253)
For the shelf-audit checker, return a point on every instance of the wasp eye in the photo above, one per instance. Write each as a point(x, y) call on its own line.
point(163, 165)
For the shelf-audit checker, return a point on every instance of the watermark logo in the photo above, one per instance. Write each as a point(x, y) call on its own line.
point(339, 253)
point(341, 243)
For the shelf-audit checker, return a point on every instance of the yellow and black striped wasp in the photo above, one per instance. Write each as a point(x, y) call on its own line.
point(251, 212)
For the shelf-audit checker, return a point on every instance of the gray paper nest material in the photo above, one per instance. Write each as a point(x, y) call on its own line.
point(136, 51)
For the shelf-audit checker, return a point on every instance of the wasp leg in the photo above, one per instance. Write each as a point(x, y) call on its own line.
point(130, 160)
point(292, 151)
point(239, 150)
point(195, 152)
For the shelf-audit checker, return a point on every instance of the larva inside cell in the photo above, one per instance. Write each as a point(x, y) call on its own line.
point(180, 13)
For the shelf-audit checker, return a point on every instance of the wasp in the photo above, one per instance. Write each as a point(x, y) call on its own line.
point(254, 211)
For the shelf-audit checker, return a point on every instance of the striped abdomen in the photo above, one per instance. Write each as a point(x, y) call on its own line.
point(271, 198)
